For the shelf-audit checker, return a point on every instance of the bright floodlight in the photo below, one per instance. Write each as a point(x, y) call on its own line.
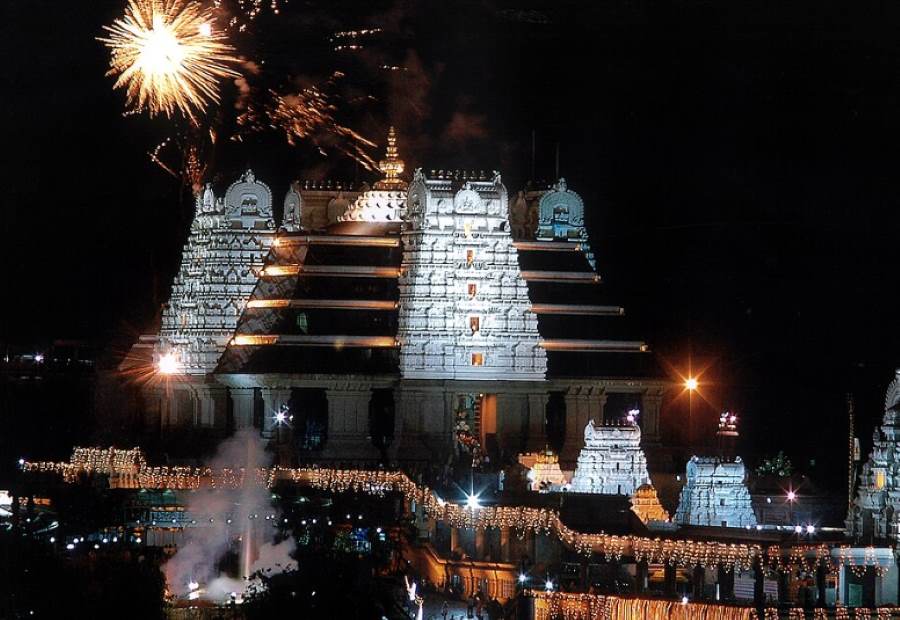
point(39, 358)
point(549, 585)
point(523, 577)
point(472, 502)
point(791, 496)
point(684, 600)
point(691, 383)
point(280, 417)
point(810, 529)
point(168, 364)
point(798, 528)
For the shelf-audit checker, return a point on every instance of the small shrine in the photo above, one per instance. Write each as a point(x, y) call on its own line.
point(646, 505)
point(612, 460)
point(715, 494)
point(544, 472)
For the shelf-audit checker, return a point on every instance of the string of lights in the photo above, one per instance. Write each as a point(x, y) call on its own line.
point(552, 605)
point(128, 469)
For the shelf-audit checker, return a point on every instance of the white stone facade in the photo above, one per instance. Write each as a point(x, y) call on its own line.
point(464, 307)
point(612, 461)
point(227, 244)
point(715, 494)
point(875, 511)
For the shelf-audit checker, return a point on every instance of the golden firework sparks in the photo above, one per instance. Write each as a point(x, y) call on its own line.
point(167, 56)
point(308, 115)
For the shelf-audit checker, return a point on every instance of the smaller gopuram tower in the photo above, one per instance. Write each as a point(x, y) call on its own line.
point(612, 461)
point(874, 514)
point(715, 494)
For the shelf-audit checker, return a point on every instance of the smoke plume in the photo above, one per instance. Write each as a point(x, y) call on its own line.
point(240, 520)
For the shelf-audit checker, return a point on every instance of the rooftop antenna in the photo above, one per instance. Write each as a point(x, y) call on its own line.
point(851, 452)
point(556, 177)
point(533, 152)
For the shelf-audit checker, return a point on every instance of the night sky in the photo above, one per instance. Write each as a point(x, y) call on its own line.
point(738, 164)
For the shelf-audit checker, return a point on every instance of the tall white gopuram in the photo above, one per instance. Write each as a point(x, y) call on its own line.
point(612, 461)
point(227, 244)
point(876, 510)
point(715, 494)
point(464, 307)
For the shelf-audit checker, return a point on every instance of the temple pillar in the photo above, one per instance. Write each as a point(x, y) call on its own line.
point(454, 539)
point(821, 573)
point(348, 425)
point(274, 400)
point(242, 401)
point(479, 544)
point(698, 578)
point(582, 404)
point(530, 546)
point(537, 422)
point(512, 422)
point(504, 544)
point(670, 577)
point(651, 405)
point(886, 585)
point(153, 409)
point(759, 586)
point(596, 406)
point(576, 420)
point(424, 426)
point(211, 406)
point(725, 583)
point(784, 579)
point(642, 576)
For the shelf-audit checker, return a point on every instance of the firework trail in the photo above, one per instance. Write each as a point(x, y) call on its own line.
point(243, 12)
point(307, 115)
point(167, 56)
point(194, 154)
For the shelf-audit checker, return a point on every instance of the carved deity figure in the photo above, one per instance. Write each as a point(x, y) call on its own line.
point(590, 432)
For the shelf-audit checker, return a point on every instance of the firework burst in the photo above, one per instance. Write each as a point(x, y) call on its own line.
point(167, 56)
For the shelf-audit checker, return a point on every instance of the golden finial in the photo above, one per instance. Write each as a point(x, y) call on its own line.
point(391, 166)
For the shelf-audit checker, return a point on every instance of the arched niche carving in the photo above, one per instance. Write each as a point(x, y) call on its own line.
point(467, 200)
point(560, 213)
point(293, 209)
point(249, 197)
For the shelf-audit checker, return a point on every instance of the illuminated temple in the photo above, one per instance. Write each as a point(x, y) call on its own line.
point(612, 461)
point(715, 494)
point(379, 318)
point(874, 514)
point(429, 330)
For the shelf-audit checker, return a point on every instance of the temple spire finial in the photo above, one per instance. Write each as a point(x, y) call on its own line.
point(391, 166)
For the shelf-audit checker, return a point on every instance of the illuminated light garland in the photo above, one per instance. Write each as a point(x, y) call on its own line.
point(846, 559)
point(571, 606)
point(128, 469)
